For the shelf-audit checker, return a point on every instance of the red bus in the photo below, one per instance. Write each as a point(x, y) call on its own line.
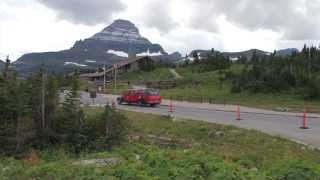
point(141, 97)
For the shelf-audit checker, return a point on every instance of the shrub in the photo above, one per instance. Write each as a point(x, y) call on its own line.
point(295, 170)
point(147, 65)
point(312, 88)
point(116, 126)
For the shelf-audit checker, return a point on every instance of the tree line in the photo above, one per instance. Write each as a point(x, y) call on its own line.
point(35, 113)
point(213, 60)
point(297, 73)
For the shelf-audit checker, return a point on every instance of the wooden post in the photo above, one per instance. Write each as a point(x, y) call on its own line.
point(104, 77)
point(304, 119)
point(238, 113)
point(171, 106)
point(43, 98)
point(115, 78)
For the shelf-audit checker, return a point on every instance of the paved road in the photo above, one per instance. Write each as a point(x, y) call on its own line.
point(275, 123)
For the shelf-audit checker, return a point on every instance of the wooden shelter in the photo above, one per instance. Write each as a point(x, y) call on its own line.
point(133, 64)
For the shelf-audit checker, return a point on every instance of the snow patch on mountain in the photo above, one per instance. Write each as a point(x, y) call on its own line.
point(233, 58)
point(118, 53)
point(90, 61)
point(75, 64)
point(188, 58)
point(150, 54)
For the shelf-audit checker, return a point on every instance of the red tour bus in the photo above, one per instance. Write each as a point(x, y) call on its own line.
point(141, 97)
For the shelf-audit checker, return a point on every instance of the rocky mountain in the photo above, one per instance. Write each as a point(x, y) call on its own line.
point(175, 56)
point(286, 52)
point(120, 37)
point(232, 55)
point(247, 54)
point(115, 43)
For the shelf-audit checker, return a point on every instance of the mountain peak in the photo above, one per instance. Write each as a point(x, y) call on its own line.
point(122, 25)
point(119, 31)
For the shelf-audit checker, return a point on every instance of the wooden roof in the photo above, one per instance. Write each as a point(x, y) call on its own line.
point(129, 61)
point(118, 65)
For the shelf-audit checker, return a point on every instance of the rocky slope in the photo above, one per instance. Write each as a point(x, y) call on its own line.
point(247, 54)
point(116, 42)
point(121, 36)
point(232, 55)
point(286, 52)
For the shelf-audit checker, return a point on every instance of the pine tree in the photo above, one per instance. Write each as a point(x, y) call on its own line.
point(7, 73)
point(52, 101)
point(71, 120)
point(14, 112)
point(34, 88)
point(195, 56)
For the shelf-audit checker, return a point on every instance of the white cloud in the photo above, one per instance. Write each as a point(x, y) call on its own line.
point(159, 16)
point(292, 18)
point(89, 12)
point(28, 30)
point(178, 25)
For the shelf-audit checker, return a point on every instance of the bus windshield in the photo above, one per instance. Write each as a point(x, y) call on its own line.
point(152, 93)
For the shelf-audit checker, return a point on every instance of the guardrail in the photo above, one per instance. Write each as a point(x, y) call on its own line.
point(200, 99)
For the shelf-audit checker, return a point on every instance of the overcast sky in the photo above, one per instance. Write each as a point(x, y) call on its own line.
point(178, 25)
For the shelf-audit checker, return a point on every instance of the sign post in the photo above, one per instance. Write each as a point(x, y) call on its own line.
point(238, 113)
point(93, 95)
point(115, 78)
point(104, 77)
point(171, 106)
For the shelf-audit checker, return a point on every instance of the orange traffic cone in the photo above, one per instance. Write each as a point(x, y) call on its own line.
point(170, 106)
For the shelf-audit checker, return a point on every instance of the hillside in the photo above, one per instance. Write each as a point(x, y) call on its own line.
point(159, 147)
point(244, 54)
point(157, 74)
point(215, 88)
point(286, 52)
point(202, 54)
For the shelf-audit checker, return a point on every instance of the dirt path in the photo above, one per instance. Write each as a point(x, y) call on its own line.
point(175, 74)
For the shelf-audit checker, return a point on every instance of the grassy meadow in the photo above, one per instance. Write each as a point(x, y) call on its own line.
point(159, 147)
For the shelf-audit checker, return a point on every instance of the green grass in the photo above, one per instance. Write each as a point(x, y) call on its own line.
point(158, 74)
point(211, 88)
point(216, 91)
point(133, 77)
point(191, 151)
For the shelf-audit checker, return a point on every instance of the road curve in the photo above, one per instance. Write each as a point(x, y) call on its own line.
point(286, 125)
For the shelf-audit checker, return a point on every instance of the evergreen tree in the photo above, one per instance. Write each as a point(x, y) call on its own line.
point(34, 87)
point(297, 73)
point(195, 56)
point(52, 100)
point(71, 120)
point(116, 126)
point(14, 112)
